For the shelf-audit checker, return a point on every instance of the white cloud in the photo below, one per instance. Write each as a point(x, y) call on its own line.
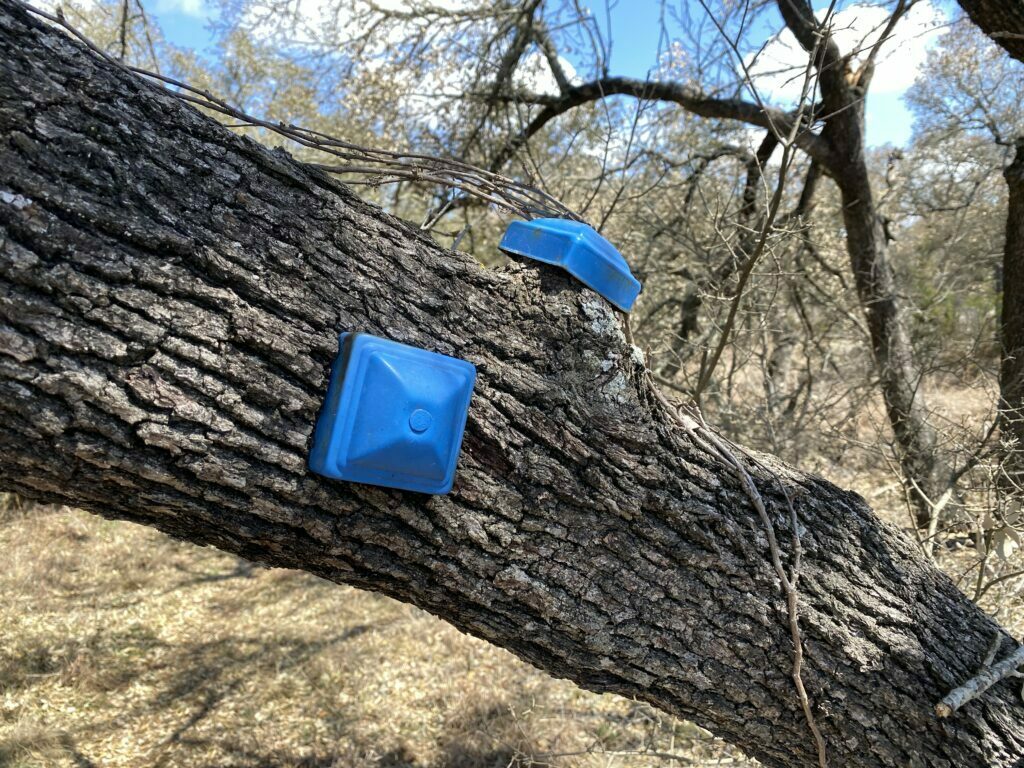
point(778, 70)
point(534, 74)
point(194, 8)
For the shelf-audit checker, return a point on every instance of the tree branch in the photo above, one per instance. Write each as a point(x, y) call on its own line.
point(547, 46)
point(1001, 20)
point(987, 676)
point(690, 99)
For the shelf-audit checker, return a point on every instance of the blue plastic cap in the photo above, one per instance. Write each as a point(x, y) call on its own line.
point(394, 415)
point(580, 250)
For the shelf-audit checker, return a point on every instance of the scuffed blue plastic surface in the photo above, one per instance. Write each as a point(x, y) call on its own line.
point(580, 250)
point(394, 415)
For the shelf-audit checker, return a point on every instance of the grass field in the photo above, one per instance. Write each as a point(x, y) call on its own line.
point(121, 647)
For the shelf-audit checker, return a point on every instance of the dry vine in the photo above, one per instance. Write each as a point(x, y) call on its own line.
point(374, 166)
point(690, 418)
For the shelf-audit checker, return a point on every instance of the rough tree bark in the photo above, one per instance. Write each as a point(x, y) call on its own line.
point(170, 298)
point(1011, 371)
point(1002, 20)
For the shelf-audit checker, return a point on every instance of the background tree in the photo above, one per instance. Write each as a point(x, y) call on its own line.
point(964, 146)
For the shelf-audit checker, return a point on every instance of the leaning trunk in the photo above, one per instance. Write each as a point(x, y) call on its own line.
point(170, 299)
point(1011, 371)
point(900, 378)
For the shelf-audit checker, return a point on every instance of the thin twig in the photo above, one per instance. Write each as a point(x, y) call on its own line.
point(987, 676)
point(692, 421)
point(381, 165)
point(788, 141)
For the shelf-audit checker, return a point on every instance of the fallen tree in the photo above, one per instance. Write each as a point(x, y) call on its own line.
point(170, 299)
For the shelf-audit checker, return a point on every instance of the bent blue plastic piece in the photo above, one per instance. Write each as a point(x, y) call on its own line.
point(394, 415)
point(580, 250)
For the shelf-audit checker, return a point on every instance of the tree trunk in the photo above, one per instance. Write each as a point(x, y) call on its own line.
point(1002, 20)
point(843, 92)
point(1011, 371)
point(170, 299)
point(900, 378)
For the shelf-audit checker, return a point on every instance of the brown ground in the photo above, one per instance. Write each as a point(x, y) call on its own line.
point(121, 647)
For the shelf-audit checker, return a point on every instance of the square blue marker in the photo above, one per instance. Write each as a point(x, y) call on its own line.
point(394, 416)
point(579, 250)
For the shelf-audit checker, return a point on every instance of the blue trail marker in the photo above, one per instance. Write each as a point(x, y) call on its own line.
point(394, 416)
point(578, 249)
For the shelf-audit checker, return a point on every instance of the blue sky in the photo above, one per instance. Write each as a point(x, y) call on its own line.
point(635, 27)
point(635, 32)
point(183, 23)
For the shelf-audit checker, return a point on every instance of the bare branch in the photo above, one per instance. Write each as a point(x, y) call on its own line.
point(989, 675)
point(688, 97)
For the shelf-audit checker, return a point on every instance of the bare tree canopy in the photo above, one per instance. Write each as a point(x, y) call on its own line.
point(171, 299)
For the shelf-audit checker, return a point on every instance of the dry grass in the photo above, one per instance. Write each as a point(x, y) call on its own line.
point(121, 647)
